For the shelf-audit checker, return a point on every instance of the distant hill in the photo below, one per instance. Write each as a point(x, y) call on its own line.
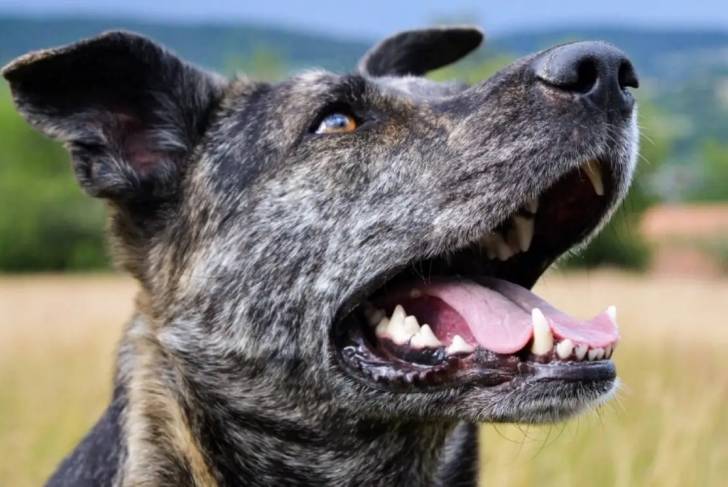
point(670, 55)
point(213, 46)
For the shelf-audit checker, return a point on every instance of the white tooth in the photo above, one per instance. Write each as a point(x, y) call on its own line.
point(564, 348)
point(398, 331)
point(402, 330)
point(595, 354)
point(458, 345)
point(580, 351)
point(382, 329)
point(608, 351)
point(502, 249)
point(524, 232)
point(532, 205)
point(398, 335)
point(425, 338)
point(594, 173)
point(374, 315)
point(415, 293)
point(543, 339)
point(612, 313)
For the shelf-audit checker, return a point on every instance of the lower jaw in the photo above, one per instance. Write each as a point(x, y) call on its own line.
point(536, 401)
point(380, 368)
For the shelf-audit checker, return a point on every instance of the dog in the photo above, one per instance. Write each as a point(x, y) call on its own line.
point(334, 270)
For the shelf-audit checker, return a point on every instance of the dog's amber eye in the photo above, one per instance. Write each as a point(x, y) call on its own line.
point(337, 123)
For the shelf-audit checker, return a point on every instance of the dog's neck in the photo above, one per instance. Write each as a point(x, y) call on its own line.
point(181, 432)
point(331, 453)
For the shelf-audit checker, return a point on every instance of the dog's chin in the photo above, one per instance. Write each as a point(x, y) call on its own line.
point(466, 322)
point(536, 402)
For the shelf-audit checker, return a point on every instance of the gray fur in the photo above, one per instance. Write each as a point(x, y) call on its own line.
point(250, 235)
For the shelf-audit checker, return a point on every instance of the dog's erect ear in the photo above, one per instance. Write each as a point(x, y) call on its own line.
point(416, 52)
point(129, 111)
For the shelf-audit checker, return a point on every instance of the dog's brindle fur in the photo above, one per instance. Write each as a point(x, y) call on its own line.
point(248, 233)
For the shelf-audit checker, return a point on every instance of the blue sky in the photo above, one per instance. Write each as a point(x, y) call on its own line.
point(374, 18)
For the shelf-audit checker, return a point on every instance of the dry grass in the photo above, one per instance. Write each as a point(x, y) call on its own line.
point(57, 339)
point(669, 425)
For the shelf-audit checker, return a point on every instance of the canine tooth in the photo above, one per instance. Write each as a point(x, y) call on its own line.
point(382, 329)
point(532, 205)
point(564, 348)
point(374, 315)
point(425, 338)
point(524, 232)
point(458, 345)
point(608, 351)
point(594, 173)
point(580, 351)
point(595, 353)
point(543, 339)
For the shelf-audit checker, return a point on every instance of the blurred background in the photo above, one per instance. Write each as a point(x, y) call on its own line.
point(663, 261)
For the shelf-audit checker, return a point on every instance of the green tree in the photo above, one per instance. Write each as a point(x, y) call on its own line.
point(46, 222)
point(264, 64)
point(713, 180)
point(471, 71)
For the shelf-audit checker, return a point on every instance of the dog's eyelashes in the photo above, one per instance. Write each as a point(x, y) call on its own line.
point(337, 123)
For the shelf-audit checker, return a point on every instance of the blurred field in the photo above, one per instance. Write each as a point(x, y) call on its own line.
point(668, 427)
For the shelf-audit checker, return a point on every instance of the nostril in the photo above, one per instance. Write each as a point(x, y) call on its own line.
point(627, 76)
point(587, 75)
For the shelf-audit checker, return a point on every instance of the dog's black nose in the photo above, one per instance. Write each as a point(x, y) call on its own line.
point(595, 70)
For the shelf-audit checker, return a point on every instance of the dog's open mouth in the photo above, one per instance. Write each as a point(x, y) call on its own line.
point(469, 316)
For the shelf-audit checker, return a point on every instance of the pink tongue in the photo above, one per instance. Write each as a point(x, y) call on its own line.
point(498, 314)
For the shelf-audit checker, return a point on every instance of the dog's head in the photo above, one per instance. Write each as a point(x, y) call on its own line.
point(293, 240)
